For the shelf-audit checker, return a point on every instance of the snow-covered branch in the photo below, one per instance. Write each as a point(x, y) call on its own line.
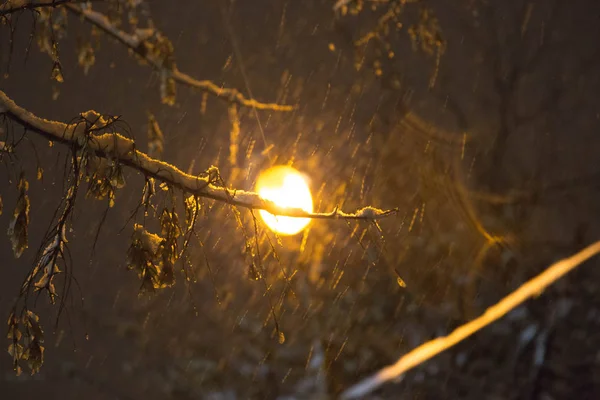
point(121, 149)
point(138, 43)
point(428, 350)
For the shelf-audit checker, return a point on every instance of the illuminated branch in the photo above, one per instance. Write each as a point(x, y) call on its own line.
point(138, 45)
point(426, 351)
point(119, 148)
point(340, 3)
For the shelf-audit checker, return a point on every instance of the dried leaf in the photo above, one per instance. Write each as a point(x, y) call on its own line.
point(149, 242)
point(117, 180)
point(155, 138)
point(57, 72)
point(14, 333)
point(26, 330)
point(17, 229)
point(149, 191)
point(169, 224)
point(34, 356)
point(32, 322)
point(399, 279)
point(192, 206)
point(166, 275)
point(153, 258)
point(15, 350)
point(104, 177)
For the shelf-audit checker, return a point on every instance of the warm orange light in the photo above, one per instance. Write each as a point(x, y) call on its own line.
point(285, 187)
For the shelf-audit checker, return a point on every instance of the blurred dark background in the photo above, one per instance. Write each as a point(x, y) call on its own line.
point(477, 119)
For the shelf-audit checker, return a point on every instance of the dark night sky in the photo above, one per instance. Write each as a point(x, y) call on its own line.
point(356, 135)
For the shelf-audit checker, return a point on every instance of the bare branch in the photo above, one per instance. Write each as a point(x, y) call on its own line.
point(137, 45)
point(117, 147)
point(532, 288)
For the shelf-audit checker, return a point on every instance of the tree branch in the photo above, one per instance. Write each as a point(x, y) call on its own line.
point(117, 147)
point(13, 6)
point(137, 45)
point(532, 288)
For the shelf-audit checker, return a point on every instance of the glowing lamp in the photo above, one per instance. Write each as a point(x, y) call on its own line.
point(287, 188)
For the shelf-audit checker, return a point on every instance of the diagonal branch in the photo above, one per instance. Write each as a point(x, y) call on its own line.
point(137, 45)
point(530, 289)
point(119, 148)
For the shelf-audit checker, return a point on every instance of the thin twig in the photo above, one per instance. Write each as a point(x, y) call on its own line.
point(532, 288)
point(13, 6)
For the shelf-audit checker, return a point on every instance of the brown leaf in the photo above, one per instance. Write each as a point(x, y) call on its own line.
point(155, 138)
point(17, 229)
point(57, 73)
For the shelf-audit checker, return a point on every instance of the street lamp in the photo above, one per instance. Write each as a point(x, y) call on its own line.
point(286, 187)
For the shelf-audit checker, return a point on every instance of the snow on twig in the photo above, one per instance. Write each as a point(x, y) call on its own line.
point(532, 288)
point(136, 43)
point(117, 147)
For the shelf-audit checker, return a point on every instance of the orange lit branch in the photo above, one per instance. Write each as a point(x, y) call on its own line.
point(119, 148)
point(532, 288)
